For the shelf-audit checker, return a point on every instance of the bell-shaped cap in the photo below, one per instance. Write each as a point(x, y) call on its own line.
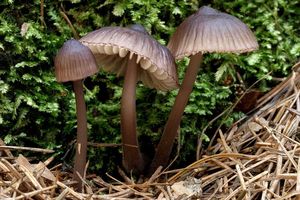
point(74, 61)
point(209, 30)
point(113, 46)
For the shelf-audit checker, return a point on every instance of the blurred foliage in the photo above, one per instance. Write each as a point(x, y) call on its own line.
point(37, 111)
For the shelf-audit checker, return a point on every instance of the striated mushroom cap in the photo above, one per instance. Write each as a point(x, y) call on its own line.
point(74, 61)
point(113, 46)
point(209, 30)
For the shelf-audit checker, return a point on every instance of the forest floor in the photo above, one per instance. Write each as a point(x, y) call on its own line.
point(257, 158)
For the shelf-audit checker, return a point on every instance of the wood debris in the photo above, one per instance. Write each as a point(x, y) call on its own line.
point(19, 179)
point(260, 159)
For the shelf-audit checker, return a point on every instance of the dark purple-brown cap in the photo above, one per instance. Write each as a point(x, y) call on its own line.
point(209, 30)
point(113, 46)
point(74, 61)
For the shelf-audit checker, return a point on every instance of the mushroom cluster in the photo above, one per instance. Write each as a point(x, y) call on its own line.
point(131, 52)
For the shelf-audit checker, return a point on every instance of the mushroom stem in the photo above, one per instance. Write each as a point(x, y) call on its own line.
point(132, 157)
point(170, 131)
point(81, 146)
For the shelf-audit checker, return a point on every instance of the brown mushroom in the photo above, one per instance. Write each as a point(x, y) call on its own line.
point(75, 62)
point(132, 52)
point(208, 30)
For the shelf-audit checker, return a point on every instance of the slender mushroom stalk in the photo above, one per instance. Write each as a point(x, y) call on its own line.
point(132, 157)
point(208, 30)
point(170, 130)
point(74, 62)
point(81, 145)
point(132, 52)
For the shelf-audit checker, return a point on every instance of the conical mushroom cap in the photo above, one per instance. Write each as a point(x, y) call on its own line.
point(209, 30)
point(74, 61)
point(113, 46)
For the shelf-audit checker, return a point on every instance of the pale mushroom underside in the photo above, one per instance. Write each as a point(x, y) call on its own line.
point(113, 46)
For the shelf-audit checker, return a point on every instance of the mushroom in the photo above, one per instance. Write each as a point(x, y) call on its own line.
point(208, 30)
point(74, 62)
point(132, 52)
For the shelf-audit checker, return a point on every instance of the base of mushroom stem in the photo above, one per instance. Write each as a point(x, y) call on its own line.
point(135, 165)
